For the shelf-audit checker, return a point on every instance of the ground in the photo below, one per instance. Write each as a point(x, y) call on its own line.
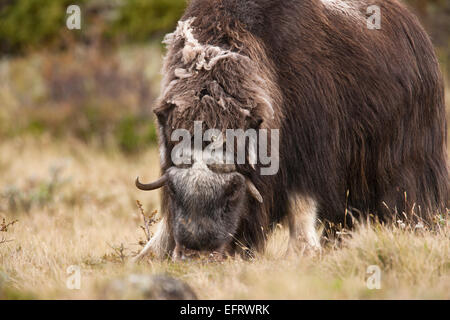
point(76, 206)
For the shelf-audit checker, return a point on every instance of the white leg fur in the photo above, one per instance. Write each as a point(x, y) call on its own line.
point(302, 225)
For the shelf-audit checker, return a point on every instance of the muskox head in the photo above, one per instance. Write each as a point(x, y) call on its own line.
point(206, 204)
point(223, 88)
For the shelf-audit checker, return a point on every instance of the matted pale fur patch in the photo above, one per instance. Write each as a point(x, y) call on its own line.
point(344, 7)
point(196, 55)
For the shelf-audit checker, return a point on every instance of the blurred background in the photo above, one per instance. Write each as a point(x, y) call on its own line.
point(76, 128)
point(97, 84)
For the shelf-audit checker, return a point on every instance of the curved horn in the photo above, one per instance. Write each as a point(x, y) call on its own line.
point(152, 186)
point(254, 191)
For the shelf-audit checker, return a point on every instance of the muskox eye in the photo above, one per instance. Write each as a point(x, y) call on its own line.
point(255, 123)
point(203, 93)
point(170, 187)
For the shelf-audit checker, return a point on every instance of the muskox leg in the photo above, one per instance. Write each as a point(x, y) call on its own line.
point(160, 245)
point(302, 220)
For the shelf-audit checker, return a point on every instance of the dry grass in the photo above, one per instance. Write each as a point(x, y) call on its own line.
point(77, 206)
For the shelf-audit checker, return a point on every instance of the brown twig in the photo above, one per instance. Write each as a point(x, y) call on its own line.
point(149, 221)
point(4, 240)
point(119, 252)
point(4, 226)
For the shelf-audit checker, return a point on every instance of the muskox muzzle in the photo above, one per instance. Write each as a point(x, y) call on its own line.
point(206, 207)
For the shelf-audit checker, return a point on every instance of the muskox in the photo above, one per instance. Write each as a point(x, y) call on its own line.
point(359, 111)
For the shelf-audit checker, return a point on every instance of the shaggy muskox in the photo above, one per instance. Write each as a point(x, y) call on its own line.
point(359, 111)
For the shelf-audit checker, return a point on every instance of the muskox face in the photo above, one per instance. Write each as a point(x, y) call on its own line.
point(206, 200)
point(206, 207)
point(207, 204)
point(219, 84)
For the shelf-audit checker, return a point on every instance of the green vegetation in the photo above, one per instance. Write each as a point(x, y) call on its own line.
point(27, 24)
point(34, 24)
point(138, 20)
point(134, 132)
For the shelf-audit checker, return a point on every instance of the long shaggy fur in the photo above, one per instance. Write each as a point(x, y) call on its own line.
point(361, 112)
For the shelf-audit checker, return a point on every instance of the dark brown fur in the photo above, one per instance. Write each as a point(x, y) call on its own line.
point(361, 112)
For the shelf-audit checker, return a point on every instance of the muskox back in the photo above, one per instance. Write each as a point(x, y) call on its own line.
point(363, 110)
point(360, 111)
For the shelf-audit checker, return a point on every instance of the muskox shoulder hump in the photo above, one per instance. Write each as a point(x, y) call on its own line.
point(250, 13)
